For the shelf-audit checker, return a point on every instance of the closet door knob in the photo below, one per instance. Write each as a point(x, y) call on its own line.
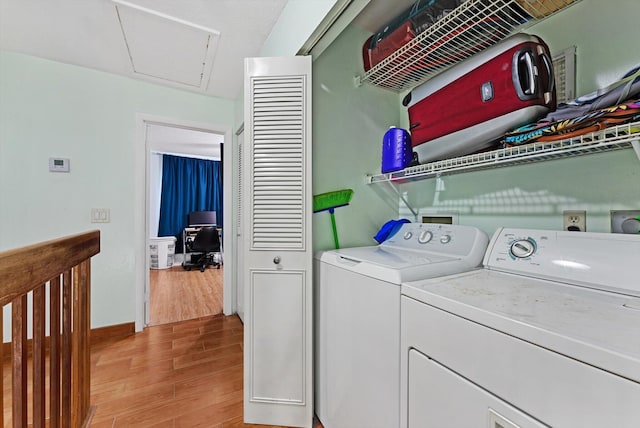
point(276, 260)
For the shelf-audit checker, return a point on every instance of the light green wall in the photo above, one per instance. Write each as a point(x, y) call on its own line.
point(348, 125)
point(603, 33)
point(53, 109)
point(535, 195)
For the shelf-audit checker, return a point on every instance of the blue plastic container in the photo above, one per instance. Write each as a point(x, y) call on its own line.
point(396, 150)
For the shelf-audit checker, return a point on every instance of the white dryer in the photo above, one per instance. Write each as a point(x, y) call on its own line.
point(547, 334)
point(357, 318)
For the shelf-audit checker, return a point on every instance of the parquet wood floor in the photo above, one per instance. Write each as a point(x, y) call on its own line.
point(178, 295)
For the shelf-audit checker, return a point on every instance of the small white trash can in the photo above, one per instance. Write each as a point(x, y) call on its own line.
point(162, 251)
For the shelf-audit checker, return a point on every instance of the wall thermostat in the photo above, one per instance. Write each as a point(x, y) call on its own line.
point(58, 164)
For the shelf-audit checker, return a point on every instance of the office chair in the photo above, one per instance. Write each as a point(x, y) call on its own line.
point(207, 243)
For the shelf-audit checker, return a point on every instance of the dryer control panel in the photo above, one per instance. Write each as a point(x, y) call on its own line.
point(596, 260)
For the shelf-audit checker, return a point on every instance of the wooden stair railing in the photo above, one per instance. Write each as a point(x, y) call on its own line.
point(65, 265)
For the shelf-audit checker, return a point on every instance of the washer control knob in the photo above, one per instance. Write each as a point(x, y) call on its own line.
point(522, 248)
point(407, 235)
point(425, 236)
point(445, 239)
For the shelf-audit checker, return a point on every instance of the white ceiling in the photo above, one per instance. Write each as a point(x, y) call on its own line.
point(196, 45)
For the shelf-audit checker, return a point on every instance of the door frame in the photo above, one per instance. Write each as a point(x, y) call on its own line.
point(141, 206)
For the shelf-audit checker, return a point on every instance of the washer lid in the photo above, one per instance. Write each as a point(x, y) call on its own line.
point(390, 258)
point(597, 327)
point(416, 251)
point(395, 266)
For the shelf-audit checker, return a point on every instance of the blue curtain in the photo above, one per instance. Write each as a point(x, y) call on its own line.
point(188, 185)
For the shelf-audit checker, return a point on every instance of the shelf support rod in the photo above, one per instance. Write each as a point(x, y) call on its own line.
point(404, 200)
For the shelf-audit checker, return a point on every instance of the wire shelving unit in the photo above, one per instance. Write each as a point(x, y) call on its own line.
point(465, 31)
point(609, 139)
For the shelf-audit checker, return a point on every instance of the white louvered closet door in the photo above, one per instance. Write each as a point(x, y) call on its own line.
point(277, 242)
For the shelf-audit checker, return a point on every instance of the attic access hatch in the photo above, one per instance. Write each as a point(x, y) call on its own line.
point(157, 43)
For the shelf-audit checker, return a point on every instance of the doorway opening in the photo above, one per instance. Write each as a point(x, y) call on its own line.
point(173, 293)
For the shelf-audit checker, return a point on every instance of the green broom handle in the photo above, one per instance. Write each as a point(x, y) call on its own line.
point(335, 230)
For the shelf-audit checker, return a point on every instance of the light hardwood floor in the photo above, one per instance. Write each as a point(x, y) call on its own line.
point(187, 374)
point(177, 294)
point(182, 375)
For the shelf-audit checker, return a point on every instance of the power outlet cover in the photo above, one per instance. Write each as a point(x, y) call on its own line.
point(574, 221)
point(625, 221)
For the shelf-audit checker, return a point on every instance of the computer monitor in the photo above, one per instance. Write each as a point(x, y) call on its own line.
point(202, 218)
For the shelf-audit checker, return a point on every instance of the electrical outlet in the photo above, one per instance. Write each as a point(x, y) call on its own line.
point(575, 221)
point(625, 221)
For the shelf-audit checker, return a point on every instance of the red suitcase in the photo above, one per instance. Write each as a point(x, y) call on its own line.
point(366, 54)
point(468, 107)
point(403, 28)
point(394, 41)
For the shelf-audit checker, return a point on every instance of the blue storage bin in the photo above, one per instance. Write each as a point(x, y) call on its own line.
point(396, 150)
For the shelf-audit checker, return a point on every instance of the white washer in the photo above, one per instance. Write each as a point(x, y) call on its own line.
point(547, 334)
point(357, 318)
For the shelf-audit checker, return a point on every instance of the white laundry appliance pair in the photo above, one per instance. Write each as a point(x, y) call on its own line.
point(357, 317)
point(547, 334)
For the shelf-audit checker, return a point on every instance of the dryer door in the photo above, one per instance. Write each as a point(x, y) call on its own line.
point(439, 397)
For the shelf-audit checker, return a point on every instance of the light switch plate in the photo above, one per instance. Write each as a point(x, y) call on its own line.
point(100, 215)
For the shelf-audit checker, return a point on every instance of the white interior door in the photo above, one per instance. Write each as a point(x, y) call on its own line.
point(277, 235)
